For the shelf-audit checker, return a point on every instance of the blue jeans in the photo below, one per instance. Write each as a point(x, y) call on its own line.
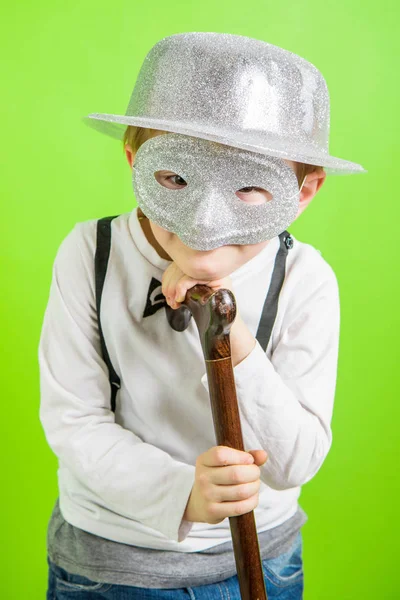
point(283, 579)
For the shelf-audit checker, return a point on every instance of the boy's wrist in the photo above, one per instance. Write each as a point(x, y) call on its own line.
point(190, 512)
point(241, 339)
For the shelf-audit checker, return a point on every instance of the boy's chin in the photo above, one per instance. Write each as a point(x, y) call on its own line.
point(202, 272)
point(207, 265)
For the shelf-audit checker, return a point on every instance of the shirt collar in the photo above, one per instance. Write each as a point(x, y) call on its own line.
point(143, 245)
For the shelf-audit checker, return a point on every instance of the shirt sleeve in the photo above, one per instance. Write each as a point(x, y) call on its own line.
point(286, 403)
point(132, 478)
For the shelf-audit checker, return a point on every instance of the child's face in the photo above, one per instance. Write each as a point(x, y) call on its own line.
point(222, 261)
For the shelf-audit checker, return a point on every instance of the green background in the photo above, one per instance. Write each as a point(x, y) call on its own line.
point(63, 60)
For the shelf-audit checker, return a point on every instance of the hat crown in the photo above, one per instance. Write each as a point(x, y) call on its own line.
point(221, 83)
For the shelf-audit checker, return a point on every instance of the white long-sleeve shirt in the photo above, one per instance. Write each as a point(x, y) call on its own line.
point(127, 477)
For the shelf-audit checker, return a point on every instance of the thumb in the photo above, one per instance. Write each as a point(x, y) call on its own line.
point(260, 456)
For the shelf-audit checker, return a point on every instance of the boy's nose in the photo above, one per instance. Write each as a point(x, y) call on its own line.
point(210, 212)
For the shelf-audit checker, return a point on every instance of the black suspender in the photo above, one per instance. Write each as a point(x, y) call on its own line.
point(269, 312)
point(103, 245)
point(270, 307)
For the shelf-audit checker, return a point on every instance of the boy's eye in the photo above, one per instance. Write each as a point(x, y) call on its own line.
point(247, 189)
point(177, 179)
point(171, 181)
point(254, 195)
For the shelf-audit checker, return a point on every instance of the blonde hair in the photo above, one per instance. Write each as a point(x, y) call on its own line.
point(136, 136)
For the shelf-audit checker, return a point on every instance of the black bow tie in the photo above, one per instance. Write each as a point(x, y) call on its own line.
point(178, 319)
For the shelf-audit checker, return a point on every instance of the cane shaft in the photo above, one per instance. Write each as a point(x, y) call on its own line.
point(228, 432)
point(214, 313)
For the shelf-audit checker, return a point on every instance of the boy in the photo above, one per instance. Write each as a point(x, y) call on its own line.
point(227, 140)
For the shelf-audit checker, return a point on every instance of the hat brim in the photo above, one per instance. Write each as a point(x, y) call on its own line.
point(115, 126)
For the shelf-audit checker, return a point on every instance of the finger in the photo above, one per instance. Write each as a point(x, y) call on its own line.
point(182, 287)
point(234, 493)
point(215, 284)
point(166, 283)
point(233, 475)
point(218, 456)
point(171, 278)
point(260, 456)
point(220, 510)
point(225, 283)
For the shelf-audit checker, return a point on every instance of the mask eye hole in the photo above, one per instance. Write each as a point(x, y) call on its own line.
point(254, 195)
point(170, 180)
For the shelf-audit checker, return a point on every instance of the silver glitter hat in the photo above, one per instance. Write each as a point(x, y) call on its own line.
point(235, 90)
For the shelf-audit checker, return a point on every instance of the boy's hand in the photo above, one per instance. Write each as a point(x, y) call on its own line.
point(226, 484)
point(175, 284)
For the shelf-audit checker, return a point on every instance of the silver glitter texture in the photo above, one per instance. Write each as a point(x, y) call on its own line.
point(234, 90)
point(206, 213)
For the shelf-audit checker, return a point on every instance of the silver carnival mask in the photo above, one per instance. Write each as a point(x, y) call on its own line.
point(205, 211)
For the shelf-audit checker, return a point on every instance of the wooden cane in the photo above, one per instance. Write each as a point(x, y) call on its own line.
point(214, 313)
